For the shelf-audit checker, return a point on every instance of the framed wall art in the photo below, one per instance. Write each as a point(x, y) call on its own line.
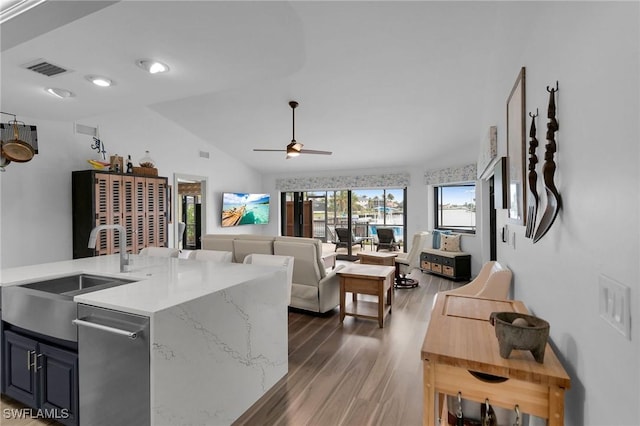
point(516, 141)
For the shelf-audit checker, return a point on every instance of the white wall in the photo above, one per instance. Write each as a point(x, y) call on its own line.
point(35, 210)
point(592, 50)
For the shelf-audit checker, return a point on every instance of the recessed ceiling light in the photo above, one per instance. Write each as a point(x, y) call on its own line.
point(59, 93)
point(99, 80)
point(152, 67)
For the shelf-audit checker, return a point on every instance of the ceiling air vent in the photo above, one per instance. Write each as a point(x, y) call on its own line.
point(45, 68)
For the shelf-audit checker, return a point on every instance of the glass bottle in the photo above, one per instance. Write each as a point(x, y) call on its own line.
point(147, 161)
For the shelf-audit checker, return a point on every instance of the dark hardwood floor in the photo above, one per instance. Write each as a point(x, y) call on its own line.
point(355, 373)
point(352, 374)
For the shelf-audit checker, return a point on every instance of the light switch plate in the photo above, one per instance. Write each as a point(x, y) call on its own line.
point(615, 301)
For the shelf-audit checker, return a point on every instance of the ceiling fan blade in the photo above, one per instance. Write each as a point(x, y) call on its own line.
point(313, 151)
point(294, 148)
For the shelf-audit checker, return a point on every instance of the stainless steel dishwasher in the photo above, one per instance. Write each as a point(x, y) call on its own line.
point(113, 356)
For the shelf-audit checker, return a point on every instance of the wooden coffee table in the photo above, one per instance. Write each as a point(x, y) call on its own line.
point(366, 279)
point(377, 258)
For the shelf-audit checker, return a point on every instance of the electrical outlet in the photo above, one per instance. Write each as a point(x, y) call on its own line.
point(615, 304)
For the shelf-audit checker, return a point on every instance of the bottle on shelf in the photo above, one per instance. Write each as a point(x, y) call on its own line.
point(147, 161)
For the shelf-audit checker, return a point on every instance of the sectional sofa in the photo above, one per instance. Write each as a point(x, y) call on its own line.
point(314, 288)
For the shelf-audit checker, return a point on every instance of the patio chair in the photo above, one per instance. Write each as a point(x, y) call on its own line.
point(342, 235)
point(387, 240)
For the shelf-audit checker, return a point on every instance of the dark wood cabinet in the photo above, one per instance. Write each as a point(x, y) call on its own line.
point(58, 382)
point(454, 265)
point(306, 217)
point(18, 371)
point(139, 203)
point(42, 376)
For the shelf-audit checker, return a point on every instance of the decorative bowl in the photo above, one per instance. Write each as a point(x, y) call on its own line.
point(531, 336)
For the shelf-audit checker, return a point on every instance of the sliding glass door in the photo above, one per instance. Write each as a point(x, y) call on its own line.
point(317, 214)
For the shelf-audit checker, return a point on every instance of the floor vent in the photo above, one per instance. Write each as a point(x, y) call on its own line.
point(45, 68)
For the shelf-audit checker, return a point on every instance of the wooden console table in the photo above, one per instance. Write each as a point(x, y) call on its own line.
point(460, 339)
point(366, 279)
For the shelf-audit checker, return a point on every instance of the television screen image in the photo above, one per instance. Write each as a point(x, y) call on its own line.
point(244, 209)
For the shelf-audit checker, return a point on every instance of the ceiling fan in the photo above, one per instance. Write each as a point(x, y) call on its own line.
point(294, 148)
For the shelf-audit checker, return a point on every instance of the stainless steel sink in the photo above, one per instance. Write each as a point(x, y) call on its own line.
point(75, 284)
point(47, 307)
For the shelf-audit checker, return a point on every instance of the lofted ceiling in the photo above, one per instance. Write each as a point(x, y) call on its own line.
point(381, 84)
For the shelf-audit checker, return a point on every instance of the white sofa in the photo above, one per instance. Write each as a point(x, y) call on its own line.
point(313, 288)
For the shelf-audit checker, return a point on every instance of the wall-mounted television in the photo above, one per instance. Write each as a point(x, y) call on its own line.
point(239, 208)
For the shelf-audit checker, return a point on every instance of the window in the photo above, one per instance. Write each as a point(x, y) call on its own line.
point(455, 207)
point(369, 208)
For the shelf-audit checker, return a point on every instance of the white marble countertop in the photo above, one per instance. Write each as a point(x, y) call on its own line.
point(160, 282)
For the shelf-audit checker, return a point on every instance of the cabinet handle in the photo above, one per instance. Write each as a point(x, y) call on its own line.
point(29, 363)
point(35, 362)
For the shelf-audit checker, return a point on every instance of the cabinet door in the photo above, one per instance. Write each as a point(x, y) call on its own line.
point(103, 212)
point(58, 383)
point(162, 207)
point(156, 208)
point(19, 368)
point(129, 212)
point(116, 201)
point(139, 214)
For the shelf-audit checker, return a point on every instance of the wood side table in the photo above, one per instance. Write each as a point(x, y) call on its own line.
point(377, 258)
point(460, 354)
point(367, 279)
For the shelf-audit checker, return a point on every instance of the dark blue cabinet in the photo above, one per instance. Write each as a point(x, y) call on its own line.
point(20, 377)
point(41, 376)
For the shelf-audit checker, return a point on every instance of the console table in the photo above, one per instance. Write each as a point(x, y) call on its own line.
point(460, 354)
point(450, 264)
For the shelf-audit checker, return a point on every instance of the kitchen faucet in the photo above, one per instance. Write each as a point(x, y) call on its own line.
point(124, 256)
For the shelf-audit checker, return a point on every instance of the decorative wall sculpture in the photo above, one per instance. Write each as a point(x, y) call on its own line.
point(554, 201)
point(533, 178)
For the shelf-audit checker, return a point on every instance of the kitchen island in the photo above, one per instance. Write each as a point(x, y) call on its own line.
point(217, 332)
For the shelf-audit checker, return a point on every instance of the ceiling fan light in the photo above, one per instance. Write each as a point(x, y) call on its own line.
point(292, 152)
point(152, 67)
point(59, 93)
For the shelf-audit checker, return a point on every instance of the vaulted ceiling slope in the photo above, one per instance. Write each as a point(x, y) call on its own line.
point(381, 84)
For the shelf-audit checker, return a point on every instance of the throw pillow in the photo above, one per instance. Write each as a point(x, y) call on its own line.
point(450, 243)
point(436, 238)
